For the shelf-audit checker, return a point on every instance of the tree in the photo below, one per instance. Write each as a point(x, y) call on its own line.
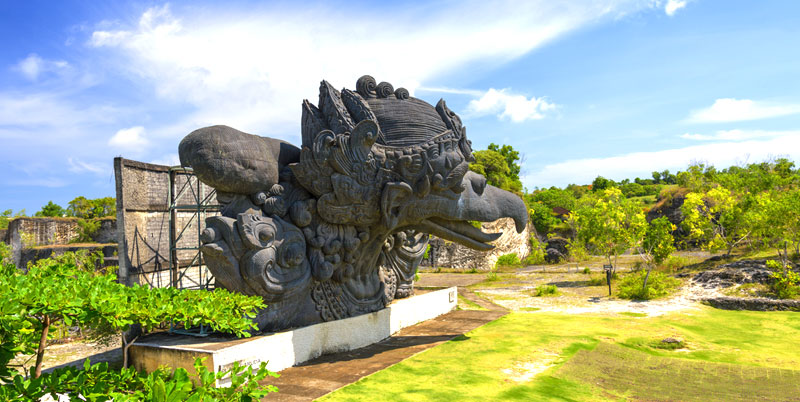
point(52, 210)
point(511, 156)
point(719, 219)
point(495, 166)
point(656, 245)
point(67, 289)
point(82, 207)
point(600, 183)
point(778, 221)
point(609, 223)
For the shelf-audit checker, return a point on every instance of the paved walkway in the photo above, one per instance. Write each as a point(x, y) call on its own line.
point(325, 374)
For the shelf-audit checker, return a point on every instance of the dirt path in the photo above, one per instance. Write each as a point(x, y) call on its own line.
point(520, 299)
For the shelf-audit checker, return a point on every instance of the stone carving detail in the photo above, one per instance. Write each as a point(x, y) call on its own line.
point(338, 227)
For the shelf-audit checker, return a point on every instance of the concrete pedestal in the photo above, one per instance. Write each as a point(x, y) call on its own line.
point(288, 348)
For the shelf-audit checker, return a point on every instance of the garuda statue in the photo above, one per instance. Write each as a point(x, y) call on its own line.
point(338, 228)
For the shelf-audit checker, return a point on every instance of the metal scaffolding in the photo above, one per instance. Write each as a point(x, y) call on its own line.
point(187, 197)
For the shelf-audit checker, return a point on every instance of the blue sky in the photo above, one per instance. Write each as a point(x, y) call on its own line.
point(617, 88)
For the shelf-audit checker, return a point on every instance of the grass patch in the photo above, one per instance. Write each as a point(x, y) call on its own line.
point(545, 290)
point(469, 304)
point(632, 314)
point(596, 281)
point(473, 369)
point(658, 285)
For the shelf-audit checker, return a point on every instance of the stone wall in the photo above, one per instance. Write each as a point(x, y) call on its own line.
point(33, 232)
point(143, 210)
point(456, 256)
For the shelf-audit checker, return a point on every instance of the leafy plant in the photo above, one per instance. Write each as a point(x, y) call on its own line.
point(632, 286)
point(545, 290)
point(67, 289)
point(587, 271)
point(52, 210)
point(87, 228)
point(537, 253)
point(99, 383)
point(508, 260)
point(785, 282)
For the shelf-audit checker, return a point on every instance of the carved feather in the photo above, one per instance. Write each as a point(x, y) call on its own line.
point(334, 110)
point(312, 123)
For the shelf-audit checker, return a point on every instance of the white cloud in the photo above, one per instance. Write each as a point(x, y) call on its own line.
point(251, 70)
point(79, 166)
point(108, 38)
point(641, 164)
point(49, 110)
point(33, 66)
point(739, 135)
point(673, 6)
point(506, 105)
point(730, 109)
point(129, 139)
point(167, 160)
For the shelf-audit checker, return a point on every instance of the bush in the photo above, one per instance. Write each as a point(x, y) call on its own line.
point(785, 282)
point(658, 285)
point(99, 383)
point(87, 228)
point(674, 262)
point(577, 252)
point(537, 252)
point(545, 290)
point(508, 260)
point(597, 281)
point(587, 271)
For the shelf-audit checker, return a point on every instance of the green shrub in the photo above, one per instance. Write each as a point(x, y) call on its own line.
point(597, 281)
point(785, 282)
point(508, 260)
point(427, 252)
point(545, 290)
point(86, 230)
point(577, 252)
point(674, 262)
point(99, 383)
point(537, 252)
point(658, 285)
point(587, 271)
point(492, 276)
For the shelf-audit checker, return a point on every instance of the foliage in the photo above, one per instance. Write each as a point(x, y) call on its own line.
point(545, 290)
point(87, 228)
point(7, 215)
point(720, 219)
point(659, 284)
point(600, 183)
point(68, 290)
point(778, 225)
point(656, 245)
point(785, 282)
point(499, 166)
point(537, 253)
point(596, 281)
point(52, 210)
point(609, 223)
point(587, 271)
point(508, 260)
point(82, 207)
point(99, 383)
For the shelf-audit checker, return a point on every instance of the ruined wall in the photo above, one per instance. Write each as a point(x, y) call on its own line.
point(27, 233)
point(454, 255)
point(143, 213)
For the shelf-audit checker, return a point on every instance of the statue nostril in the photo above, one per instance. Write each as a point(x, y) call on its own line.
point(478, 184)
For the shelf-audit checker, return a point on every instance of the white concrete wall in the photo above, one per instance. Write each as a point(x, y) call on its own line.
point(286, 349)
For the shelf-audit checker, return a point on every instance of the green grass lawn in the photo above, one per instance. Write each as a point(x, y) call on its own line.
point(593, 357)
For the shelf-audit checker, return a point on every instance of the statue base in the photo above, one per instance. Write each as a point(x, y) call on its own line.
point(287, 348)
